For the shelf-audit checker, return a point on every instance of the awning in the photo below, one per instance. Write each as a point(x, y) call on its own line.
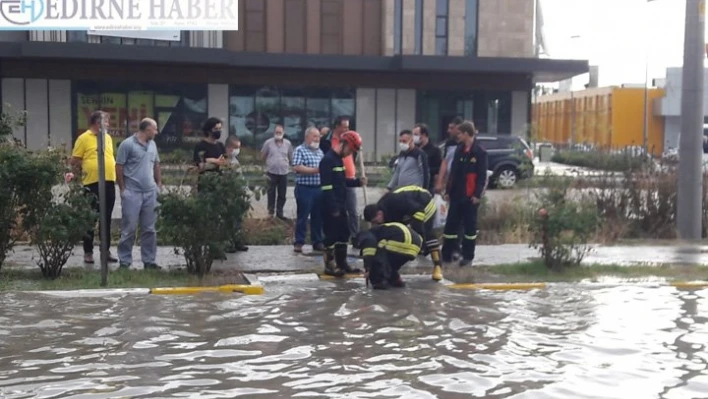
point(541, 70)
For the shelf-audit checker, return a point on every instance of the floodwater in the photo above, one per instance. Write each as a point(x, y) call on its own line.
point(338, 340)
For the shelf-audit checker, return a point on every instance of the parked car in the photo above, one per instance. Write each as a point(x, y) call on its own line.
point(510, 159)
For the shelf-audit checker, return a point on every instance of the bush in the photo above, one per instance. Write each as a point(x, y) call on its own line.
point(200, 223)
point(60, 225)
point(563, 227)
point(614, 162)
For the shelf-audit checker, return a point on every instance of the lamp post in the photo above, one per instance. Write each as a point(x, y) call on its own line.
point(573, 123)
point(690, 178)
point(645, 135)
point(102, 209)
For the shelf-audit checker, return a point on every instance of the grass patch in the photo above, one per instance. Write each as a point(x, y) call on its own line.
point(536, 271)
point(79, 278)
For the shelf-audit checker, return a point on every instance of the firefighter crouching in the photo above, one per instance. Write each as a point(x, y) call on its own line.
point(465, 187)
point(412, 205)
point(385, 249)
point(334, 190)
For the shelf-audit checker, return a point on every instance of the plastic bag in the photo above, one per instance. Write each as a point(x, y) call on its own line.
point(441, 214)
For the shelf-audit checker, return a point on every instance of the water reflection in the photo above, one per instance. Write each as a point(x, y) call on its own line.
point(342, 341)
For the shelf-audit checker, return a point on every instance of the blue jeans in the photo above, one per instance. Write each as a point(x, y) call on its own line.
point(138, 209)
point(309, 205)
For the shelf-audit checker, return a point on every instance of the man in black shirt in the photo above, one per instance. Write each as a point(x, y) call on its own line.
point(421, 137)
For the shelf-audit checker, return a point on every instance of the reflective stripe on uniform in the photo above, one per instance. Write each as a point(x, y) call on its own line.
point(369, 251)
point(407, 247)
point(338, 169)
point(325, 188)
point(430, 210)
point(450, 236)
point(419, 216)
point(408, 188)
point(471, 238)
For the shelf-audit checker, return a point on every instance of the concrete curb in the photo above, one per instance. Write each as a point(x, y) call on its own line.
point(231, 288)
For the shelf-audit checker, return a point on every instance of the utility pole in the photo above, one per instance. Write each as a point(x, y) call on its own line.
point(102, 209)
point(690, 178)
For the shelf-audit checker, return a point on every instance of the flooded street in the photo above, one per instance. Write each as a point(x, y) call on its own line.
point(338, 340)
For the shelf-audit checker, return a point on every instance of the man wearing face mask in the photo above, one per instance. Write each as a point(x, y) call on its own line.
point(411, 166)
point(421, 138)
point(308, 194)
point(209, 153)
point(277, 153)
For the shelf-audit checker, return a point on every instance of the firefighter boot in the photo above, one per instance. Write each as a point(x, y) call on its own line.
point(331, 268)
point(434, 249)
point(340, 257)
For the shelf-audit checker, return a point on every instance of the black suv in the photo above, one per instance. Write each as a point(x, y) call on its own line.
point(510, 159)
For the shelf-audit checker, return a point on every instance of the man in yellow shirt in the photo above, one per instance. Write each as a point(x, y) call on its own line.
point(85, 160)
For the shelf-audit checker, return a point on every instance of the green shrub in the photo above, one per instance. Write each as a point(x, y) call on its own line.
point(563, 227)
point(599, 160)
point(201, 223)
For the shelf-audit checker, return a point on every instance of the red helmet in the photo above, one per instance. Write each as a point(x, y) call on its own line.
point(352, 139)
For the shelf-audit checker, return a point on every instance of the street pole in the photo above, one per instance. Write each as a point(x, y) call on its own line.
point(690, 178)
point(646, 106)
point(102, 209)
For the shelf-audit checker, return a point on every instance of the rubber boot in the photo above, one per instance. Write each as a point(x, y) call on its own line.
point(331, 268)
point(437, 265)
point(340, 257)
point(396, 281)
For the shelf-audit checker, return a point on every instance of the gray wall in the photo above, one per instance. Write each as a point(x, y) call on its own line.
point(519, 113)
point(48, 106)
point(218, 103)
point(380, 115)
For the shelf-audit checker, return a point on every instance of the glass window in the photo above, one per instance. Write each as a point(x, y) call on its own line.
point(267, 114)
point(418, 27)
point(318, 108)
point(441, 27)
point(440, 46)
point(242, 107)
point(441, 8)
point(471, 13)
point(178, 109)
point(343, 104)
point(294, 114)
point(397, 26)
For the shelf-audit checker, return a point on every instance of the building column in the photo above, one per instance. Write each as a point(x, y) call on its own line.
point(519, 112)
point(387, 15)
point(366, 121)
point(218, 103)
point(456, 27)
point(60, 114)
point(408, 39)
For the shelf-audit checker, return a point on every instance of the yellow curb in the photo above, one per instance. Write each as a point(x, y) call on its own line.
point(501, 287)
point(244, 289)
point(689, 284)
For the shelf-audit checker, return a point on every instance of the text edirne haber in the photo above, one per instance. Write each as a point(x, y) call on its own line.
point(127, 10)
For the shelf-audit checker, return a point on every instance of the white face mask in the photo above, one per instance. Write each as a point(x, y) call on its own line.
point(416, 139)
point(236, 151)
point(315, 145)
point(404, 146)
point(279, 136)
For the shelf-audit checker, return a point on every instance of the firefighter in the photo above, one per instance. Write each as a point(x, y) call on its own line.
point(386, 248)
point(334, 190)
point(412, 205)
point(465, 188)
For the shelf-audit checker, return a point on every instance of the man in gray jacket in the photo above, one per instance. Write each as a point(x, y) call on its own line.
point(411, 166)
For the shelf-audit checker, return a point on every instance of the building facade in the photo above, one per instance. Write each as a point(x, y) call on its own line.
point(607, 117)
point(385, 63)
point(669, 107)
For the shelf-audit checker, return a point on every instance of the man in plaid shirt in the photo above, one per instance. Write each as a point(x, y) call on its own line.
point(308, 194)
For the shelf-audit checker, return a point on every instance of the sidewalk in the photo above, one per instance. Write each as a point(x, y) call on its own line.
point(281, 259)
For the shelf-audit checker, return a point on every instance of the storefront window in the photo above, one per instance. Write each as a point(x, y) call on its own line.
point(490, 111)
point(178, 109)
point(254, 111)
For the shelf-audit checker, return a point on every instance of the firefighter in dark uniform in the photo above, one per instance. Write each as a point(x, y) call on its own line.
point(334, 189)
point(385, 249)
point(465, 188)
point(412, 205)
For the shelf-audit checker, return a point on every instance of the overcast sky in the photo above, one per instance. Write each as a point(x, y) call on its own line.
point(617, 35)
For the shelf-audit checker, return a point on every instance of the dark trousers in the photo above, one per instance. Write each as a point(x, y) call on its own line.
point(92, 190)
point(461, 213)
point(277, 184)
point(309, 206)
point(387, 266)
point(336, 230)
point(352, 212)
